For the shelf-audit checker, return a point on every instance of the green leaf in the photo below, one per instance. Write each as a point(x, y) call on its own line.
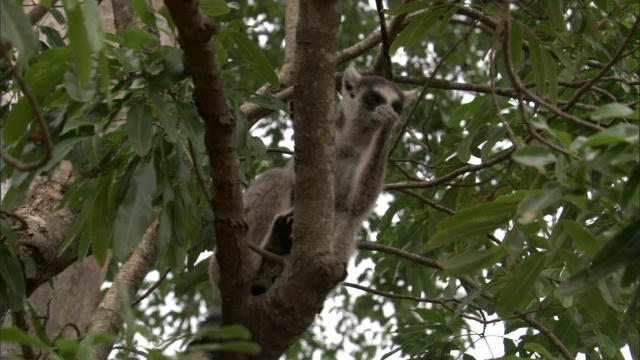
point(42, 83)
point(551, 69)
point(464, 148)
point(15, 335)
point(537, 348)
point(556, 15)
point(99, 222)
point(140, 126)
point(516, 40)
point(134, 214)
point(468, 110)
point(78, 90)
point(12, 280)
point(93, 25)
point(269, 102)
point(53, 37)
point(137, 39)
point(191, 124)
point(214, 7)
point(611, 111)
point(471, 223)
point(537, 201)
point(469, 263)
point(16, 27)
point(519, 290)
point(406, 8)
point(620, 133)
point(537, 64)
point(255, 54)
point(78, 36)
point(584, 239)
point(417, 29)
point(534, 155)
point(232, 346)
point(159, 107)
point(145, 11)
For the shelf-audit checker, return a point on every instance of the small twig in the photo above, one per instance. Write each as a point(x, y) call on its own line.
point(46, 134)
point(405, 172)
point(66, 325)
point(280, 150)
point(199, 175)
point(267, 254)
point(429, 202)
point(151, 288)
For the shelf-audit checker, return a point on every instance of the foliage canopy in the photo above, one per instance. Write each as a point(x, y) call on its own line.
point(513, 187)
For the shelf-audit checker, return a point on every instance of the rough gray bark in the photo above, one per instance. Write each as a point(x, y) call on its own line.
point(67, 303)
point(107, 319)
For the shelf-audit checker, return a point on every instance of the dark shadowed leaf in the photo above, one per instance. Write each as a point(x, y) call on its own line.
point(134, 214)
point(519, 290)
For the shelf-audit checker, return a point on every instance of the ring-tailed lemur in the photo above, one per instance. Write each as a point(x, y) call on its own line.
point(369, 108)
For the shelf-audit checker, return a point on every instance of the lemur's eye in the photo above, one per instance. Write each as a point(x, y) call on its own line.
point(372, 99)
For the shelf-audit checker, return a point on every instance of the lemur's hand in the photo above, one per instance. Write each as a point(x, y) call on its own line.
point(384, 116)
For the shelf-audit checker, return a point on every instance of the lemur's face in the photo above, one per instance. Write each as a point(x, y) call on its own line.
point(361, 95)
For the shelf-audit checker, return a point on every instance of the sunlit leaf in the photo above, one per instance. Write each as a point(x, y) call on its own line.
point(214, 7)
point(534, 155)
point(611, 111)
point(252, 52)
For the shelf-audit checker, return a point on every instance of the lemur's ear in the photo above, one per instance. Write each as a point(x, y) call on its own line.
point(350, 79)
point(410, 95)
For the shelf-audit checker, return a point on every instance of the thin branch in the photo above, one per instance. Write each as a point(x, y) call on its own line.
point(198, 170)
point(267, 254)
point(427, 201)
point(151, 288)
point(451, 175)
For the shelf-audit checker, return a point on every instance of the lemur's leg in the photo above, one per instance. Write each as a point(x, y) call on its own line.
point(278, 241)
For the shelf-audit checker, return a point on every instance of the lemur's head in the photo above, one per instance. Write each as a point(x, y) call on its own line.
point(361, 95)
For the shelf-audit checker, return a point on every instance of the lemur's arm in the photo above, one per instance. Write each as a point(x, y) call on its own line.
point(369, 176)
